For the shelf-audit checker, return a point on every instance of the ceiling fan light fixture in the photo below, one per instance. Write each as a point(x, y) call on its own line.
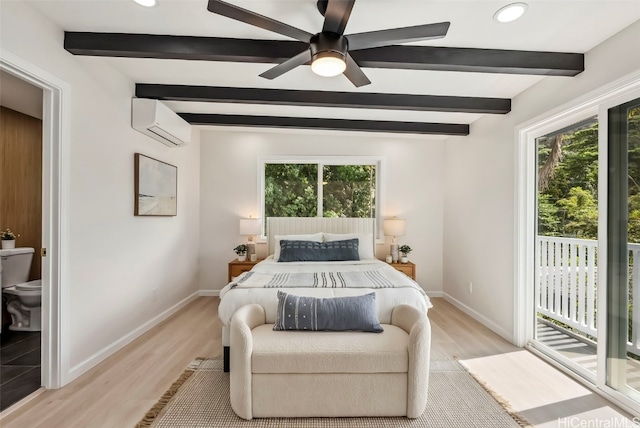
point(146, 3)
point(328, 64)
point(510, 12)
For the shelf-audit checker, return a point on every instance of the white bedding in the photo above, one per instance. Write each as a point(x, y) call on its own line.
point(402, 291)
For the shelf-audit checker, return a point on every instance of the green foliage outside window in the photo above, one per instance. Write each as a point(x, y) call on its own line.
point(568, 181)
point(291, 190)
point(349, 191)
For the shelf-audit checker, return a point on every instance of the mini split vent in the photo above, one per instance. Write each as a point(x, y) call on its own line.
point(153, 118)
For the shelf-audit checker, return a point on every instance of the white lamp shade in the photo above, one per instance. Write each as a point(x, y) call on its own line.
point(394, 227)
point(328, 66)
point(250, 226)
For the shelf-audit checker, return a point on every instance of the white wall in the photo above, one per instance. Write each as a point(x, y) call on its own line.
point(20, 96)
point(115, 260)
point(479, 202)
point(413, 185)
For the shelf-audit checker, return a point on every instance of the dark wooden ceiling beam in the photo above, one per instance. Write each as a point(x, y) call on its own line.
point(472, 60)
point(216, 94)
point(327, 124)
point(272, 51)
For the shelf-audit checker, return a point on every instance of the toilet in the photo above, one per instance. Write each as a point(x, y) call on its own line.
point(24, 298)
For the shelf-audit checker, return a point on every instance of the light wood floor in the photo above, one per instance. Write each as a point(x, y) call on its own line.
point(119, 391)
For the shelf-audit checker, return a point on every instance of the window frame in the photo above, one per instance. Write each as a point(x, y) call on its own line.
point(321, 161)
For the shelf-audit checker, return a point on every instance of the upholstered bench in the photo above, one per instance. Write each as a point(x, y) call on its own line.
point(328, 373)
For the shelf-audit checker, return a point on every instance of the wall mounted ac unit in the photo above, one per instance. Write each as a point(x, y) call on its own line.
point(153, 118)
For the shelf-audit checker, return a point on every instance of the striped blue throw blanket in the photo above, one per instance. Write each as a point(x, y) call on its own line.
point(388, 278)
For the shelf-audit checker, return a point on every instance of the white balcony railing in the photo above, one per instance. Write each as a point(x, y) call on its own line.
point(567, 282)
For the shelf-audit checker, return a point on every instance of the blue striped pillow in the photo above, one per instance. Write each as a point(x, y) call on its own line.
point(310, 251)
point(327, 314)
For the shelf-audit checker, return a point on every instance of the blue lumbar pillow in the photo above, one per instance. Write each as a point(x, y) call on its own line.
point(310, 251)
point(332, 314)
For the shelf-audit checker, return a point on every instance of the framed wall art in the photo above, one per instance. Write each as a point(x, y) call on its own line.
point(156, 187)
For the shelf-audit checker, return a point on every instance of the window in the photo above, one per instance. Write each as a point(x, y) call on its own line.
point(314, 187)
point(290, 190)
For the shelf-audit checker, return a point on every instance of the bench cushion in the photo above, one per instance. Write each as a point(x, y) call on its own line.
point(329, 351)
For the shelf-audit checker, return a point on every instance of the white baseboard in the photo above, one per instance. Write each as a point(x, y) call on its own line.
point(434, 293)
point(109, 350)
point(479, 317)
point(209, 293)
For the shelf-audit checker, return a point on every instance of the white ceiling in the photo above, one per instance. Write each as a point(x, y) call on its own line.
point(549, 25)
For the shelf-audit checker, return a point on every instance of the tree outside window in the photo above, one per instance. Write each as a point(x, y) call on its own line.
point(313, 189)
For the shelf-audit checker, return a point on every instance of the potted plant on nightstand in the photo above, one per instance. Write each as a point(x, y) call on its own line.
point(404, 250)
point(8, 239)
point(241, 251)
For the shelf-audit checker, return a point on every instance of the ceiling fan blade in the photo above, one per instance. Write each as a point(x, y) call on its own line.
point(337, 15)
point(396, 36)
point(300, 59)
point(354, 73)
point(239, 14)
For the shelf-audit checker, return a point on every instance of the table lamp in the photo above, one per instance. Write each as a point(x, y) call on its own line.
point(250, 227)
point(394, 227)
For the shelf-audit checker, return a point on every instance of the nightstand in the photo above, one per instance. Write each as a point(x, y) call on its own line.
point(236, 267)
point(408, 269)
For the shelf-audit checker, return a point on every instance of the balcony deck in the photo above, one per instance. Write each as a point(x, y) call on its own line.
point(580, 350)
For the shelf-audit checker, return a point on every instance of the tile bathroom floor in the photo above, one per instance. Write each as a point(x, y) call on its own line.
point(19, 366)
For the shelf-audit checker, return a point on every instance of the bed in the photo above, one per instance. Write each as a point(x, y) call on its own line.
point(318, 278)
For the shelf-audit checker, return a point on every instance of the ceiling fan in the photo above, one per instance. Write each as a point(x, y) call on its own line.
point(329, 49)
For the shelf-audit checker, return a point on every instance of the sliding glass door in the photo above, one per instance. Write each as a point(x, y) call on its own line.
point(566, 245)
point(623, 250)
point(578, 241)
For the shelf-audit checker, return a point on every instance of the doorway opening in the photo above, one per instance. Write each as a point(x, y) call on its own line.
point(20, 217)
point(55, 184)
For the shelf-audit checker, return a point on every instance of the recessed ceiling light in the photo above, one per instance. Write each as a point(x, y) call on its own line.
point(146, 3)
point(510, 12)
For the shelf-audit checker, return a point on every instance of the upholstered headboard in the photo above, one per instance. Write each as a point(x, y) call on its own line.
point(304, 225)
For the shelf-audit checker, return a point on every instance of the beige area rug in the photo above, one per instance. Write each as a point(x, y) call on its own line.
point(200, 398)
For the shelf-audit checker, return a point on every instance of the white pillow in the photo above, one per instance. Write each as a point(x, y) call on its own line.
point(365, 244)
point(315, 237)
